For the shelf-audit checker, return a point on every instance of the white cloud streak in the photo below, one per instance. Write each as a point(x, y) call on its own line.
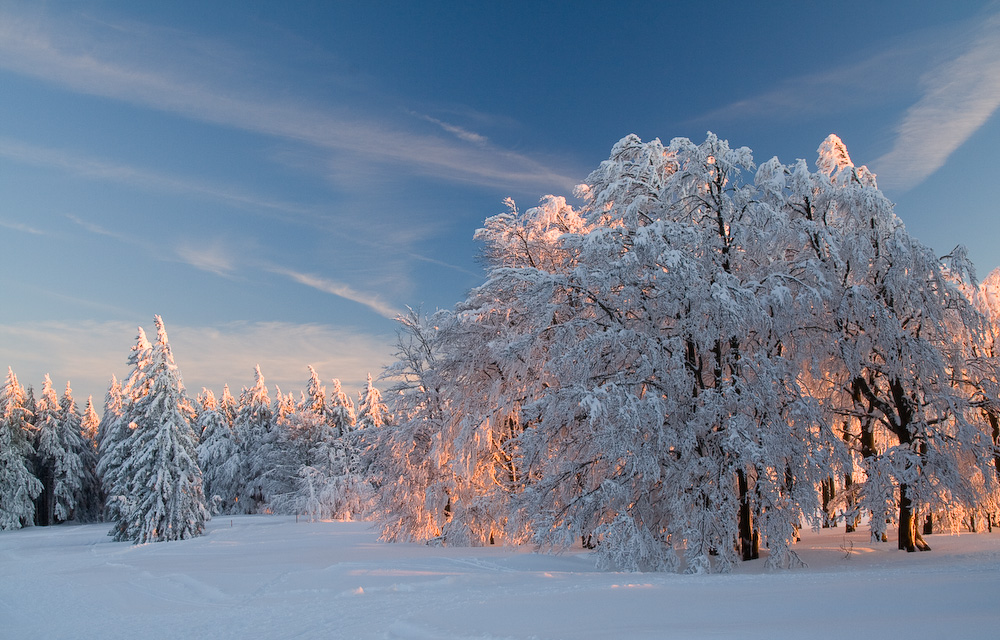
point(49, 50)
point(872, 80)
point(20, 226)
point(340, 289)
point(97, 169)
point(959, 96)
point(213, 258)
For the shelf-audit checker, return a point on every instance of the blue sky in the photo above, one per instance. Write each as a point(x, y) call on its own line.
point(278, 180)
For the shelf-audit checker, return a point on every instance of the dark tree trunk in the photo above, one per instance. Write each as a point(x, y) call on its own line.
point(828, 494)
point(850, 522)
point(909, 537)
point(45, 504)
point(749, 540)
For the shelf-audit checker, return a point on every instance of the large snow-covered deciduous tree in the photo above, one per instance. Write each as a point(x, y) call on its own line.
point(167, 500)
point(18, 485)
point(672, 372)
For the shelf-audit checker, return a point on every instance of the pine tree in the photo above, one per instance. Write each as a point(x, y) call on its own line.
point(166, 482)
point(218, 456)
point(372, 412)
point(117, 429)
point(258, 441)
point(18, 485)
point(59, 446)
point(228, 406)
point(93, 503)
point(77, 435)
point(316, 393)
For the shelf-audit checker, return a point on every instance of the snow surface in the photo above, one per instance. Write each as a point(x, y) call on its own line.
point(273, 577)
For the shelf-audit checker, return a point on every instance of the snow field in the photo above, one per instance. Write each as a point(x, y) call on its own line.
point(273, 577)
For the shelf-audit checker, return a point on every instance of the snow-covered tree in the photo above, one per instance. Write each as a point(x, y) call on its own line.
point(80, 430)
point(258, 440)
point(166, 483)
point(410, 461)
point(322, 449)
point(372, 412)
point(901, 329)
point(674, 370)
point(315, 394)
point(61, 470)
point(117, 428)
point(340, 410)
point(228, 406)
point(218, 456)
point(18, 485)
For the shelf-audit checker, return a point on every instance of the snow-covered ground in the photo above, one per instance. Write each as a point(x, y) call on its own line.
point(273, 577)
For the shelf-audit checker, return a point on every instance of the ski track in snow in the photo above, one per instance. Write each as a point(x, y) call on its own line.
point(270, 577)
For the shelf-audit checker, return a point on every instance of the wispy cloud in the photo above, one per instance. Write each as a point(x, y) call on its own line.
point(458, 132)
point(208, 356)
point(101, 231)
point(104, 64)
point(20, 226)
point(872, 80)
point(99, 169)
point(340, 289)
point(213, 257)
point(959, 97)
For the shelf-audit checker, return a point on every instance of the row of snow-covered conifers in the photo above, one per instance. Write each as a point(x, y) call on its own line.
point(700, 360)
point(157, 464)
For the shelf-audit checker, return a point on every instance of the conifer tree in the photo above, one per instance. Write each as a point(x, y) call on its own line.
point(218, 456)
point(18, 485)
point(166, 483)
point(93, 495)
point(228, 406)
point(59, 445)
point(118, 427)
point(372, 412)
point(258, 441)
point(88, 500)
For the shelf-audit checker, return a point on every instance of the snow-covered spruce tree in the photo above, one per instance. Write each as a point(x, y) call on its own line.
point(228, 405)
point(287, 451)
point(116, 431)
point(112, 411)
point(89, 502)
point(218, 456)
point(18, 485)
point(58, 445)
point(166, 482)
point(315, 400)
point(372, 412)
point(90, 428)
point(344, 489)
point(258, 440)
